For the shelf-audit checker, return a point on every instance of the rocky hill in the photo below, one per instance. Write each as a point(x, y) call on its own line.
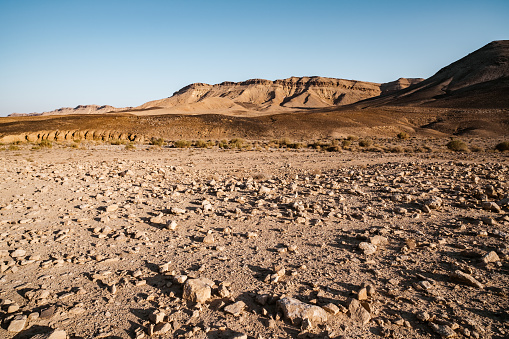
point(80, 109)
point(273, 96)
point(479, 80)
point(255, 96)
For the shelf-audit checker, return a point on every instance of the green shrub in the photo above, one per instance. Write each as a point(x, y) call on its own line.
point(200, 144)
point(157, 142)
point(46, 143)
point(237, 143)
point(457, 145)
point(365, 142)
point(503, 146)
point(403, 135)
point(346, 143)
point(117, 142)
point(182, 144)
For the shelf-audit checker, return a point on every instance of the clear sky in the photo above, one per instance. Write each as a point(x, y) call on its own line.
point(126, 52)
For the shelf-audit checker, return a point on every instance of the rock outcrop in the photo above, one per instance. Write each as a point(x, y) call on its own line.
point(279, 95)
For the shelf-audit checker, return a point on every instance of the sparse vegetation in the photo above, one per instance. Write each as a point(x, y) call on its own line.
point(457, 145)
point(13, 147)
point(182, 144)
point(237, 143)
point(157, 142)
point(503, 146)
point(118, 142)
point(403, 135)
point(45, 143)
point(200, 144)
point(365, 142)
point(130, 146)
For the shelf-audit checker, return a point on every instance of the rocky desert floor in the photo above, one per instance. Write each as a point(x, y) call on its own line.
point(106, 242)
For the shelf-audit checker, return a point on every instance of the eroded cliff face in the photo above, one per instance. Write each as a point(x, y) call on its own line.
point(278, 95)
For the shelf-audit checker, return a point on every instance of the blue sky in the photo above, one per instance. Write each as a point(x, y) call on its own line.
point(123, 53)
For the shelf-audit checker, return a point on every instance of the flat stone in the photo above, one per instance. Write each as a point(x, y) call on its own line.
point(236, 308)
point(17, 324)
point(358, 312)
point(18, 253)
point(162, 328)
point(443, 330)
point(208, 239)
point(490, 257)
point(111, 208)
point(331, 308)
point(378, 240)
point(48, 313)
point(465, 279)
point(296, 311)
point(197, 290)
point(56, 334)
point(367, 248)
point(157, 316)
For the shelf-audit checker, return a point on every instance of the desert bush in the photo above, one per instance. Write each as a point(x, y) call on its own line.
point(237, 143)
point(130, 146)
point(200, 144)
point(223, 144)
point(75, 145)
point(157, 142)
point(346, 143)
point(503, 146)
point(352, 138)
point(182, 144)
point(365, 142)
point(45, 143)
point(457, 145)
point(403, 135)
point(397, 149)
point(117, 142)
point(13, 147)
point(476, 149)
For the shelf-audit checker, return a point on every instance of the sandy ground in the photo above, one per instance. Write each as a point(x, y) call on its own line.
point(102, 243)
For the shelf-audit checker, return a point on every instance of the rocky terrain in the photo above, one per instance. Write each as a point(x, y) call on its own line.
point(264, 96)
point(480, 79)
point(104, 242)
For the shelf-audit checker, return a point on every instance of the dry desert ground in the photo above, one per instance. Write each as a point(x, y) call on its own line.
point(107, 242)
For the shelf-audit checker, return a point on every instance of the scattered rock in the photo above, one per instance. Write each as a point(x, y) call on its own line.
point(465, 279)
point(357, 312)
point(198, 290)
point(17, 324)
point(296, 311)
point(236, 308)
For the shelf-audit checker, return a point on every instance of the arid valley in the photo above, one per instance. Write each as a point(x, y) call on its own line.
point(297, 208)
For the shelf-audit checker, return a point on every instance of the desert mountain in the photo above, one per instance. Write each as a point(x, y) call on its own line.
point(253, 97)
point(265, 96)
point(81, 109)
point(479, 80)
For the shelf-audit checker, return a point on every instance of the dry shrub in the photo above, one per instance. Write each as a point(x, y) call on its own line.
point(503, 146)
point(403, 135)
point(157, 142)
point(182, 144)
point(365, 142)
point(457, 145)
point(45, 144)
